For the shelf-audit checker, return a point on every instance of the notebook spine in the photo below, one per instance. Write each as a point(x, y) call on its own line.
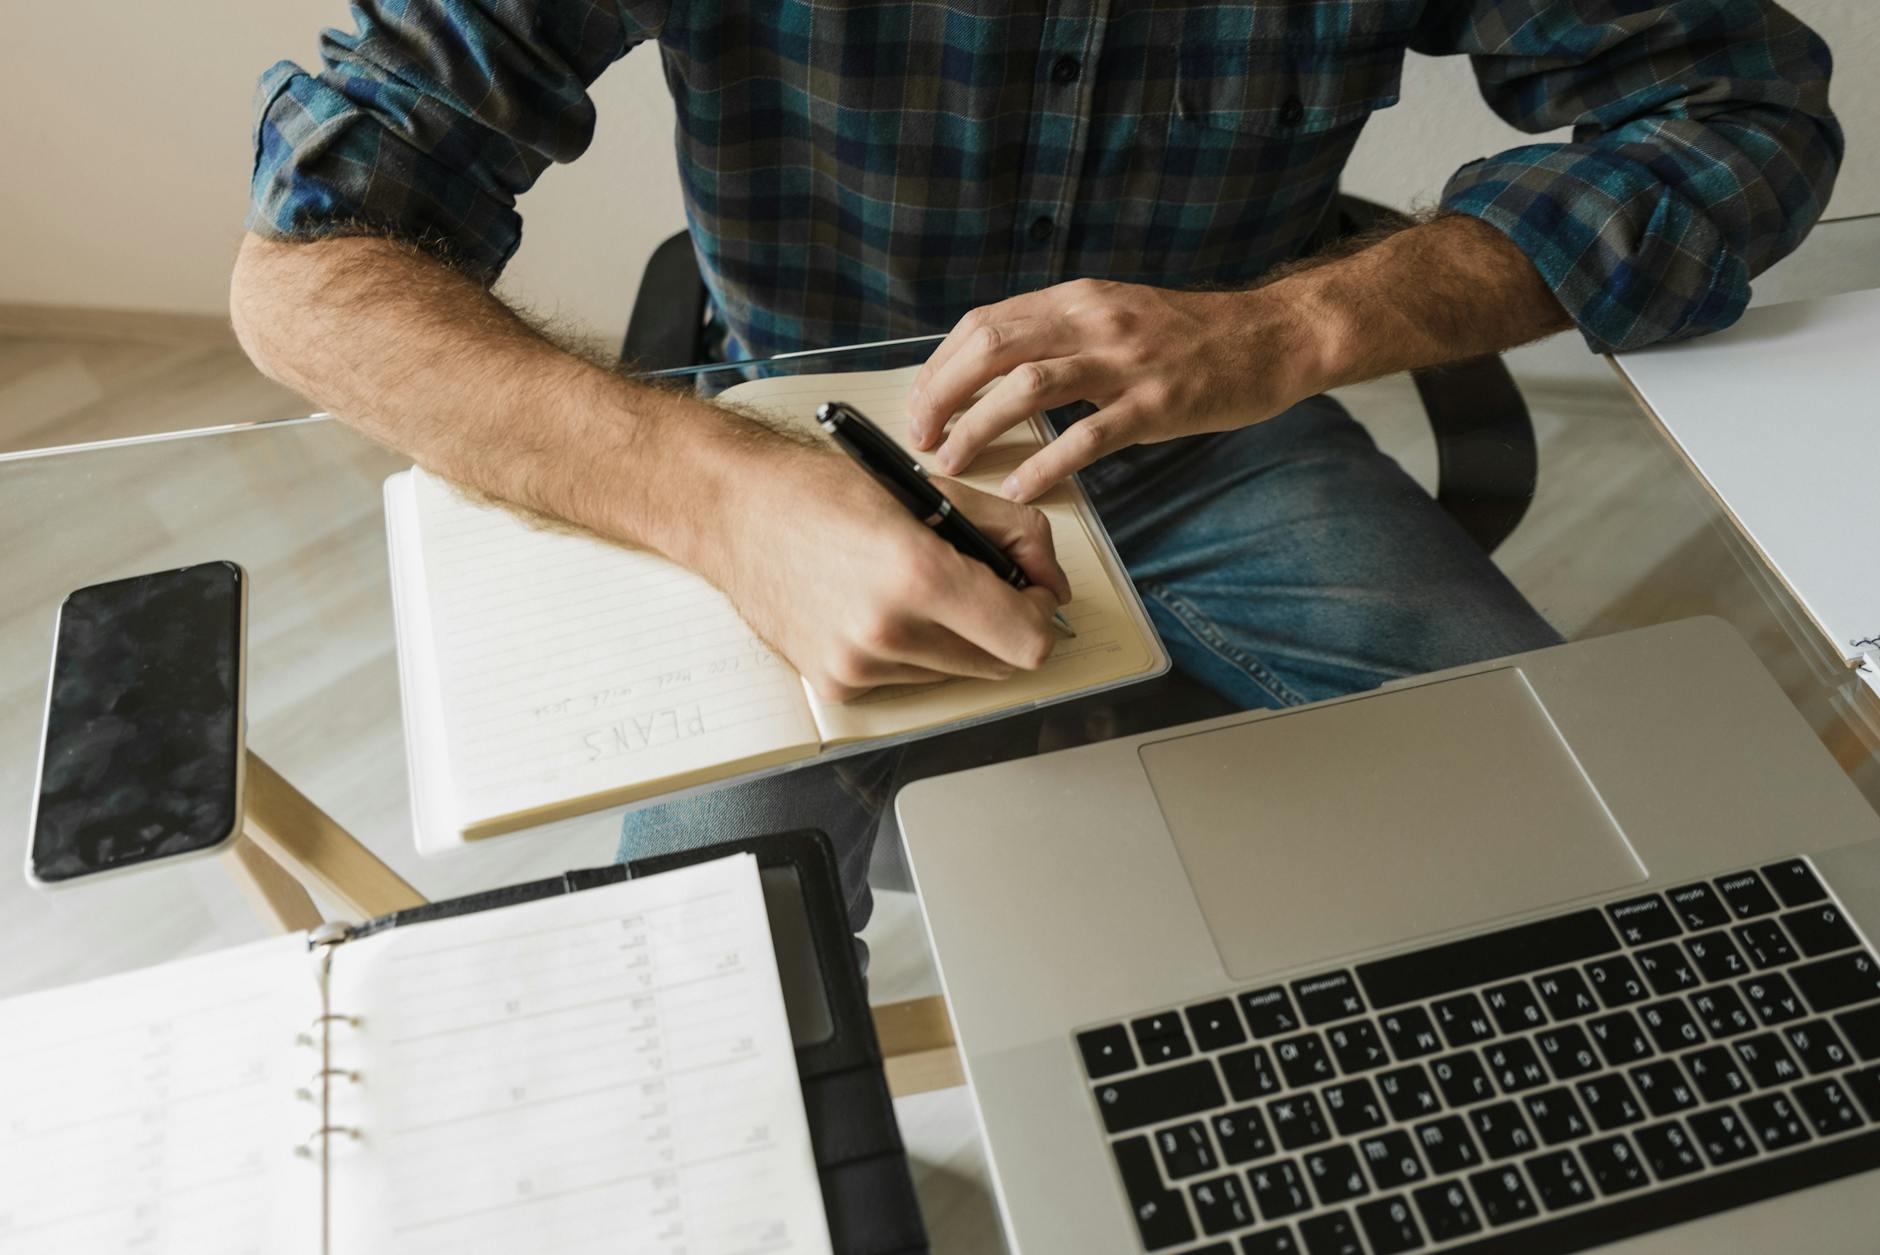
point(318, 1036)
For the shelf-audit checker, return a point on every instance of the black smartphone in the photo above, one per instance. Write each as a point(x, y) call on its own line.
point(143, 748)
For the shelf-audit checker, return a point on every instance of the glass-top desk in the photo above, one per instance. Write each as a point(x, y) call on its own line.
point(298, 504)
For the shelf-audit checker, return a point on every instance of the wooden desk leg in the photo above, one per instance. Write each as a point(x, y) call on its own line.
point(274, 893)
point(917, 1046)
point(312, 846)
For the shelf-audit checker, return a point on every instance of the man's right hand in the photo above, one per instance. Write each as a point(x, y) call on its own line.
point(853, 590)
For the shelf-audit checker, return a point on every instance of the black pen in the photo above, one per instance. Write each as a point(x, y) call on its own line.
point(906, 481)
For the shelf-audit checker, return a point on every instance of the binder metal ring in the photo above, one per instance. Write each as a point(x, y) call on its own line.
point(305, 1149)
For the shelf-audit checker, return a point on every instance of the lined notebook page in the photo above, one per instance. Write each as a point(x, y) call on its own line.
point(1110, 643)
point(576, 673)
point(156, 1111)
point(605, 1071)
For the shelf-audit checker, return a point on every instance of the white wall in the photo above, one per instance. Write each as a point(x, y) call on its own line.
point(126, 149)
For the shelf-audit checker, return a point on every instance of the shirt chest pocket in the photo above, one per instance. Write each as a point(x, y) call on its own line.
point(1281, 92)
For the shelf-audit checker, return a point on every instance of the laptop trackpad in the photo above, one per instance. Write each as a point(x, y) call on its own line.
point(1339, 828)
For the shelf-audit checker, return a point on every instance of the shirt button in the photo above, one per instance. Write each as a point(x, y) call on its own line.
point(1292, 113)
point(1041, 229)
point(1065, 70)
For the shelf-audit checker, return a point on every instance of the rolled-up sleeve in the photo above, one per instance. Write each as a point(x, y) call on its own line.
point(1702, 151)
point(431, 117)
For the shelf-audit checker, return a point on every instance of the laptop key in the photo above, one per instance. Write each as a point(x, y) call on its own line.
point(1502, 1195)
point(1746, 895)
point(1765, 943)
point(1242, 1135)
point(1716, 956)
point(1794, 881)
point(1410, 1033)
point(1334, 1233)
point(1486, 958)
point(1106, 1051)
point(1356, 1046)
point(1463, 1020)
point(1566, 994)
point(1250, 1073)
point(1221, 1204)
point(1390, 1226)
point(1333, 996)
point(1766, 1060)
point(1667, 970)
point(1715, 1071)
point(1163, 1050)
point(1662, 1085)
point(1616, 981)
point(1297, 1121)
point(1462, 1077)
point(1447, 1211)
point(1158, 1097)
point(1723, 1136)
point(1775, 1121)
point(1643, 920)
point(1671, 1025)
point(1215, 1025)
point(1830, 984)
point(1557, 1116)
point(1773, 1000)
point(1278, 1241)
point(1863, 1031)
point(1609, 1101)
point(1865, 1086)
point(1354, 1107)
point(1559, 1180)
point(1829, 1107)
point(1278, 1189)
point(1303, 1059)
point(1514, 1007)
point(1698, 906)
point(1149, 1027)
point(1391, 1159)
point(1668, 1150)
point(1722, 1011)
point(1335, 1174)
point(1407, 1092)
point(1161, 1219)
point(1501, 1130)
point(1820, 929)
point(1619, 1038)
point(1613, 1164)
point(1514, 1065)
point(1447, 1145)
point(1269, 1012)
point(1185, 1150)
point(1568, 1051)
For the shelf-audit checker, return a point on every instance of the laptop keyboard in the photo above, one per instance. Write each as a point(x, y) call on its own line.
point(1543, 1088)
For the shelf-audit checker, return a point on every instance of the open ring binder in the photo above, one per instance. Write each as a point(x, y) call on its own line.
point(319, 1034)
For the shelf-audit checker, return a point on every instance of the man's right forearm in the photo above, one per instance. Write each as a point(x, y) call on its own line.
point(426, 361)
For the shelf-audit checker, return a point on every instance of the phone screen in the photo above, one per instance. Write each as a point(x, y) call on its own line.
point(143, 726)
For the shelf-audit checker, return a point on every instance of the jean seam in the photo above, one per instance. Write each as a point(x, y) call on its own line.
point(1211, 638)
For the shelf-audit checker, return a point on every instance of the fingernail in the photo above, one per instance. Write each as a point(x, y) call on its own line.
point(949, 459)
point(1009, 489)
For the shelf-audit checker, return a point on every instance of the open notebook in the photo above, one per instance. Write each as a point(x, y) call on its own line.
point(547, 674)
point(609, 1070)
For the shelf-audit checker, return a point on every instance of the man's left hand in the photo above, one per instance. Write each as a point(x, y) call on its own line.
point(1157, 363)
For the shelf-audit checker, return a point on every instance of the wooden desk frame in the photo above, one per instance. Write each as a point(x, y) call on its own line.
point(289, 845)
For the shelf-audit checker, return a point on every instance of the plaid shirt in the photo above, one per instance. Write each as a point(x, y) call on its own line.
point(857, 169)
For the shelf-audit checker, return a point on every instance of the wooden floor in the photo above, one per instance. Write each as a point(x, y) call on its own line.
point(1618, 537)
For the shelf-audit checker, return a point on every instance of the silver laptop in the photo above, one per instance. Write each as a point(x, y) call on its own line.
point(1568, 951)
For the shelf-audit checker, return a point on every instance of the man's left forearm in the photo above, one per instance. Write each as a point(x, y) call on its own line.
point(1161, 363)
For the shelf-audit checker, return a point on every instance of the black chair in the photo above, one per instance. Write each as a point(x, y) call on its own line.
point(1486, 458)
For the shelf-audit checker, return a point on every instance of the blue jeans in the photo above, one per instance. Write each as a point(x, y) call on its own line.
point(1283, 563)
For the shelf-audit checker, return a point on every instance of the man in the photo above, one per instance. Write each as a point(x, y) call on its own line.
point(1105, 203)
